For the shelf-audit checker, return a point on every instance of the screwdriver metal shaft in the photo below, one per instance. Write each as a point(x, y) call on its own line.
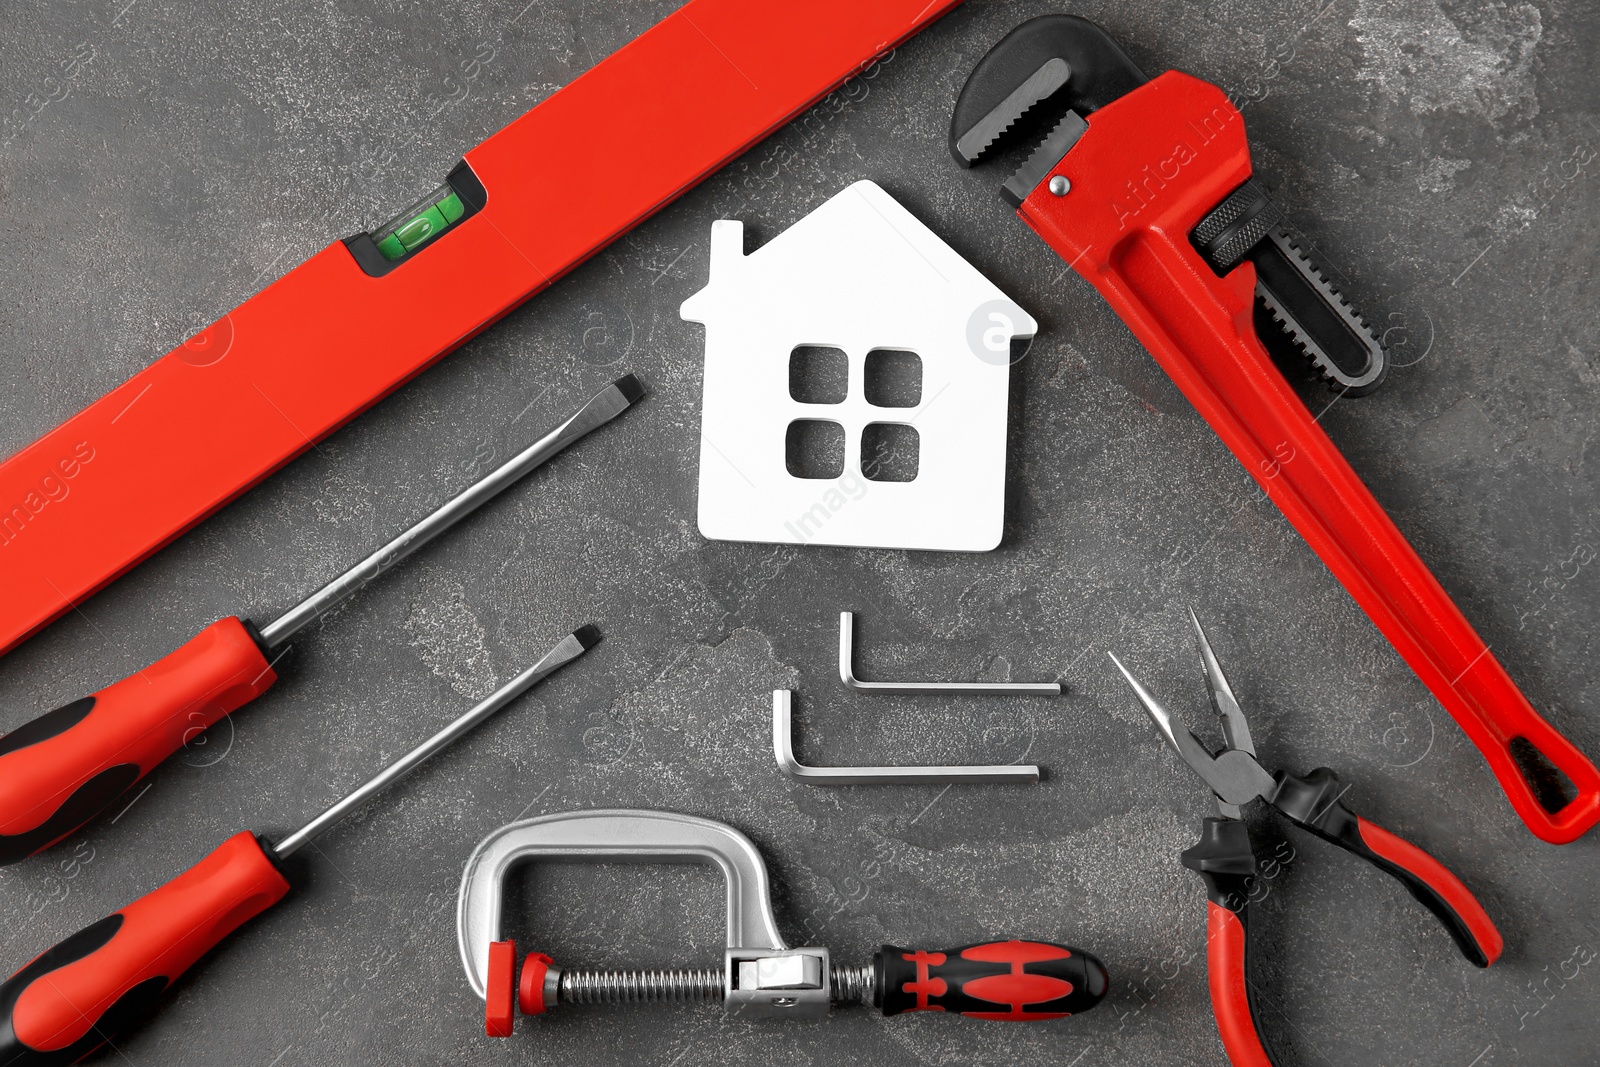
point(612, 401)
point(571, 647)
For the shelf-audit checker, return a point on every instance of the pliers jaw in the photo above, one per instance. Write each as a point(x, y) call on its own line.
point(1232, 773)
point(1235, 728)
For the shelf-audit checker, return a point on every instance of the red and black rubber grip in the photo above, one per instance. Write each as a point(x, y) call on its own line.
point(1313, 803)
point(73, 998)
point(69, 765)
point(1012, 981)
point(1227, 965)
point(1226, 862)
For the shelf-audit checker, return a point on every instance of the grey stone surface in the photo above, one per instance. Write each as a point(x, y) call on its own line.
point(1445, 154)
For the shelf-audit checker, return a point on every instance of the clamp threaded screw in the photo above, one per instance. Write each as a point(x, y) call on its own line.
point(639, 986)
point(852, 985)
point(849, 985)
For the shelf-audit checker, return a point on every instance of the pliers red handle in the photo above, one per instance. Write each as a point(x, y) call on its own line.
point(1119, 188)
point(1225, 859)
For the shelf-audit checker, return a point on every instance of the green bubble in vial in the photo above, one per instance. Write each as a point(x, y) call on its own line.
point(419, 229)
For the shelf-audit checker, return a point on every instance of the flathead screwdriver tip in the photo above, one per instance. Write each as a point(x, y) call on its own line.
point(631, 388)
point(588, 636)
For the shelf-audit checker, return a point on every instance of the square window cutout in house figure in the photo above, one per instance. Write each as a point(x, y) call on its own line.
point(892, 378)
point(890, 452)
point(818, 375)
point(856, 383)
point(814, 448)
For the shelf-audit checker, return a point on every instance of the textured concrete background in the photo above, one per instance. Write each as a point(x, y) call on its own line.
point(159, 163)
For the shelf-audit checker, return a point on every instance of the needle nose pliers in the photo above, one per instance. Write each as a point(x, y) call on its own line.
point(1226, 862)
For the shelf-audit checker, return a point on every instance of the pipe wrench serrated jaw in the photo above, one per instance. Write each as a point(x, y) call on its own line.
point(1045, 67)
point(1041, 83)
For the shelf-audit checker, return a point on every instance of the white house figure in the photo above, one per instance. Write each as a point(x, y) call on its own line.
point(861, 275)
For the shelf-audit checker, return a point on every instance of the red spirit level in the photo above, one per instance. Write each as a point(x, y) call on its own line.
point(318, 346)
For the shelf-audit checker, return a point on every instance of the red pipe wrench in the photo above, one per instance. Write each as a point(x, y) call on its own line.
point(1143, 185)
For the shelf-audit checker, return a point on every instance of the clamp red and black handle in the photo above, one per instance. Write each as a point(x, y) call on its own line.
point(1004, 981)
point(106, 978)
point(71, 764)
point(1313, 804)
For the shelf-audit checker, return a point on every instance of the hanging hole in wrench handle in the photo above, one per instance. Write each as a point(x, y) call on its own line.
point(1004, 981)
point(1550, 777)
point(1552, 785)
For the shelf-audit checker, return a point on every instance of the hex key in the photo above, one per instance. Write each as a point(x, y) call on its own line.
point(847, 674)
point(783, 749)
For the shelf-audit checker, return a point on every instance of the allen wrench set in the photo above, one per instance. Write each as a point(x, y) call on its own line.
point(790, 765)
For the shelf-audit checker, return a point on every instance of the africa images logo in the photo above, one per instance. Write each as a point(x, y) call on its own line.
point(1147, 189)
point(52, 488)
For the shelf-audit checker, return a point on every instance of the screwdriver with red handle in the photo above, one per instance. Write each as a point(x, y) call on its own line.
point(69, 765)
point(82, 993)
